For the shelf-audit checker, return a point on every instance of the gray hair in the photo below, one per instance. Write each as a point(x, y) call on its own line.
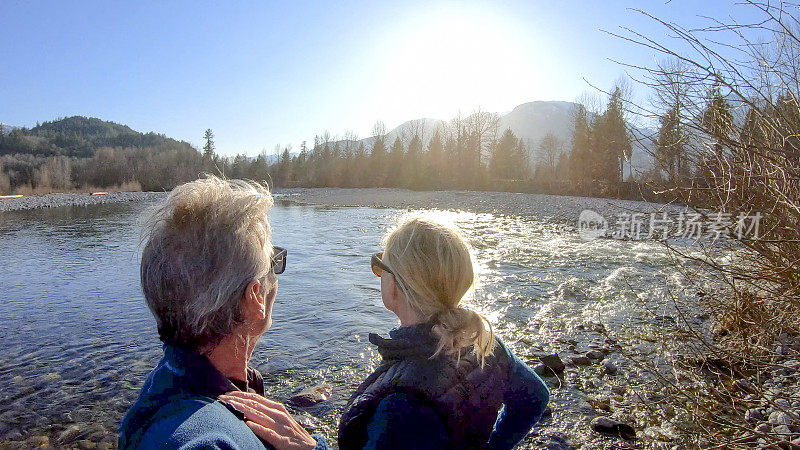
point(204, 245)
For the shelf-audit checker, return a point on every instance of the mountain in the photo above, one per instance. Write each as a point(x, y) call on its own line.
point(531, 122)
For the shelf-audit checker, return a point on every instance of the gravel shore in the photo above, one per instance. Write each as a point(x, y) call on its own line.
point(552, 208)
point(56, 200)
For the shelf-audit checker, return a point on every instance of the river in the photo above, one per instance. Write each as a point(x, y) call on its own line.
point(78, 340)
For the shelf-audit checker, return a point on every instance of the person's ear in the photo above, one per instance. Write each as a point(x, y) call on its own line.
point(255, 304)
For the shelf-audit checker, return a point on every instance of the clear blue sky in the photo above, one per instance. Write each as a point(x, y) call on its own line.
point(267, 73)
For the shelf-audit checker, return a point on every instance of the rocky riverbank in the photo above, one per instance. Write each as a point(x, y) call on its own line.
point(57, 200)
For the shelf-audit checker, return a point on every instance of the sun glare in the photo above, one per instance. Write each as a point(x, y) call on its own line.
point(456, 61)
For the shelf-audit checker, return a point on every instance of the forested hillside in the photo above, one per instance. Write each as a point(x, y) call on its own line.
point(85, 153)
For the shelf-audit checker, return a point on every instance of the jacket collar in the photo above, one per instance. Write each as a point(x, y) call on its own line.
point(404, 342)
point(199, 374)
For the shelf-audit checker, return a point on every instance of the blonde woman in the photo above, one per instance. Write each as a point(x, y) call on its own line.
point(445, 380)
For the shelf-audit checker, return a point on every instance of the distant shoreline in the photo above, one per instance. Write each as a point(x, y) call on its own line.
point(73, 199)
point(540, 206)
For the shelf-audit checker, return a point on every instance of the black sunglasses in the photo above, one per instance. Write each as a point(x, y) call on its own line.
point(278, 260)
point(378, 267)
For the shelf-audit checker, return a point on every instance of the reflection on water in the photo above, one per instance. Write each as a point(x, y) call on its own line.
point(78, 339)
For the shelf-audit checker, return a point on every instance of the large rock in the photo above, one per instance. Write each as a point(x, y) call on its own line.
point(311, 396)
point(553, 362)
point(780, 418)
point(611, 427)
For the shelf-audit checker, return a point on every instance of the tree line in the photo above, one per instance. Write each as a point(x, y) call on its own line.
point(469, 152)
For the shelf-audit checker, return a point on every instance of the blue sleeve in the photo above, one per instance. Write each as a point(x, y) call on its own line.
point(321, 443)
point(523, 404)
point(403, 421)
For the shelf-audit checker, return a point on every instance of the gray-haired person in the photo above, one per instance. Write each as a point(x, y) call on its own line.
point(208, 276)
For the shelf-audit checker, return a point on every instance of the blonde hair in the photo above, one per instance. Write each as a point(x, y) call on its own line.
point(204, 244)
point(433, 269)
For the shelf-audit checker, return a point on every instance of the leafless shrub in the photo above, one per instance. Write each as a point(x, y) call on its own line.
point(729, 143)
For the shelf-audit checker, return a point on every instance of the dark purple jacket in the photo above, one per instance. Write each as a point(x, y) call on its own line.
point(413, 401)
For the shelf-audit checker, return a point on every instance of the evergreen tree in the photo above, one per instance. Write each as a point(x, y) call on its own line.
point(580, 156)
point(717, 119)
point(501, 164)
point(208, 148)
point(378, 163)
point(669, 145)
point(413, 174)
point(395, 164)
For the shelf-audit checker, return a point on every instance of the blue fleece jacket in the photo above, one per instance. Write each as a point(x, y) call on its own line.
point(178, 409)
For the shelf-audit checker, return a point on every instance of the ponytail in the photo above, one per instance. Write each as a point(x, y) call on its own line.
point(460, 327)
point(434, 266)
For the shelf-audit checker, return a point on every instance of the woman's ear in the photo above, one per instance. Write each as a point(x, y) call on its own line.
point(254, 305)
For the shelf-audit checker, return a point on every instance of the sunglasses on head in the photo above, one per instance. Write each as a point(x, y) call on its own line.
point(278, 260)
point(378, 267)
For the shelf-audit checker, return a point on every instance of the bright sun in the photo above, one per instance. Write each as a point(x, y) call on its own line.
point(456, 60)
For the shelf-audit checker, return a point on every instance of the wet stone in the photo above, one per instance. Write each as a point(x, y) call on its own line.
point(553, 362)
point(611, 427)
point(12, 434)
point(70, 434)
point(595, 354)
point(579, 360)
point(609, 368)
point(311, 396)
point(543, 371)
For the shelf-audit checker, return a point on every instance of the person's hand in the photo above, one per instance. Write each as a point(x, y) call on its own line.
point(270, 421)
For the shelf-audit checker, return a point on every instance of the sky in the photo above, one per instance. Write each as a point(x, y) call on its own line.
point(261, 74)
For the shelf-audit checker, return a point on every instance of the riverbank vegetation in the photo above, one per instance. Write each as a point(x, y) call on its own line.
point(729, 143)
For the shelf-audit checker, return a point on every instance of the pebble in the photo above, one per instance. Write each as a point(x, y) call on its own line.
point(782, 429)
point(311, 396)
point(579, 360)
point(609, 368)
point(607, 425)
point(619, 390)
